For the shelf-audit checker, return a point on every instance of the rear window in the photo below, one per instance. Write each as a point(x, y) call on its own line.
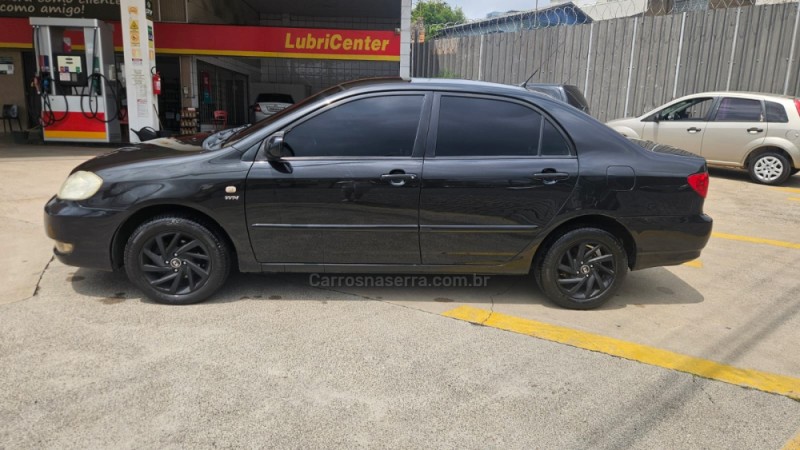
point(575, 98)
point(274, 98)
point(776, 113)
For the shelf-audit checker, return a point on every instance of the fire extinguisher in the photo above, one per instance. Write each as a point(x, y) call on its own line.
point(156, 82)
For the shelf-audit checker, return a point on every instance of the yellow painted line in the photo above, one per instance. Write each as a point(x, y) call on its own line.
point(794, 444)
point(762, 381)
point(794, 199)
point(785, 189)
point(697, 264)
point(754, 240)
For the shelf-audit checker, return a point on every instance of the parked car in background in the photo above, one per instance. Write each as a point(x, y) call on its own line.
point(756, 132)
point(567, 93)
point(390, 176)
point(268, 104)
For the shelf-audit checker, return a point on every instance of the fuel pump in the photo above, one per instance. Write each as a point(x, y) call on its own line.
point(80, 100)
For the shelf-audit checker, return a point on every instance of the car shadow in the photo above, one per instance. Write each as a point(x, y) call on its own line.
point(657, 286)
point(741, 175)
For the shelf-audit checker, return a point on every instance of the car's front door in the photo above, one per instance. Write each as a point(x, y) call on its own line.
point(496, 173)
point(680, 125)
point(738, 126)
point(348, 193)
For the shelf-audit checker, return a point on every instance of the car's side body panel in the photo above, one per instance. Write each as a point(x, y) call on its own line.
point(509, 215)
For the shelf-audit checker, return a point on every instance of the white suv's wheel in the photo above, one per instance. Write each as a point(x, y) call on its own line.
point(770, 168)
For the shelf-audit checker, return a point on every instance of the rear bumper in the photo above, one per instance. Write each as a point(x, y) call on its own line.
point(89, 231)
point(668, 241)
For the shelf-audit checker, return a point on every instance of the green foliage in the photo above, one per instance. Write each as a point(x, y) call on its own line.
point(437, 12)
point(446, 73)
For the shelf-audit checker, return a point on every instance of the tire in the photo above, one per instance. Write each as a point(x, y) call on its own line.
point(199, 257)
point(770, 168)
point(594, 279)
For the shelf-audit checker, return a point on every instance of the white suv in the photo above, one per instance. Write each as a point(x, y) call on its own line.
point(756, 132)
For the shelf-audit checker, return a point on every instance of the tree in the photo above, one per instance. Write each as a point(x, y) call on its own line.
point(436, 13)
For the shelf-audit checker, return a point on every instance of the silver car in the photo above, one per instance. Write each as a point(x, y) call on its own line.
point(756, 132)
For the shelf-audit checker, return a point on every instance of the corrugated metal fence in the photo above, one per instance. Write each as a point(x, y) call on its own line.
point(628, 66)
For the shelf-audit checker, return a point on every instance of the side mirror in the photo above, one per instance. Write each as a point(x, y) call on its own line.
point(273, 148)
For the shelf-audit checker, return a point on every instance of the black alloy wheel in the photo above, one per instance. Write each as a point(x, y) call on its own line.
point(583, 268)
point(177, 260)
point(175, 263)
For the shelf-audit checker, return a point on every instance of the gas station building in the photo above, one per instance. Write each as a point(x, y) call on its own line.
point(90, 70)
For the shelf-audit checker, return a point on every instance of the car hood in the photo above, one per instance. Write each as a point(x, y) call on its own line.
point(154, 150)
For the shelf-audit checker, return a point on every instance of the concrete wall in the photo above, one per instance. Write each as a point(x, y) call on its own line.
point(12, 87)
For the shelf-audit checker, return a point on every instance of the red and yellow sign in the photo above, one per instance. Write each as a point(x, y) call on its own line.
point(227, 40)
point(269, 42)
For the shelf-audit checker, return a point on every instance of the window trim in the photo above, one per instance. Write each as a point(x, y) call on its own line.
point(422, 126)
point(433, 129)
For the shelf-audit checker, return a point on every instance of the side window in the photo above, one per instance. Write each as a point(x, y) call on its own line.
point(483, 127)
point(553, 143)
point(375, 126)
point(776, 112)
point(696, 109)
point(739, 110)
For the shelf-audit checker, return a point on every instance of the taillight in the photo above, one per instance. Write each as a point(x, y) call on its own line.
point(797, 105)
point(258, 108)
point(699, 182)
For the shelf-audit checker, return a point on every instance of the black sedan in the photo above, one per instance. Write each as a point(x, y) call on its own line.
point(390, 176)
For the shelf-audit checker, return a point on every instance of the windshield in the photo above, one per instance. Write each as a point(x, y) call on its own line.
point(244, 133)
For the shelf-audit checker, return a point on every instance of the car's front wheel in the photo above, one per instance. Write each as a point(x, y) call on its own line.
point(176, 260)
point(583, 268)
point(770, 168)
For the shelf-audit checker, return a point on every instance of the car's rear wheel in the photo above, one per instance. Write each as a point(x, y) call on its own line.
point(176, 260)
point(583, 268)
point(770, 168)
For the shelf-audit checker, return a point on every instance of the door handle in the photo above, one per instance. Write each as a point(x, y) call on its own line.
point(694, 130)
point(398, 179)
point(755, 130)
point(550, 176)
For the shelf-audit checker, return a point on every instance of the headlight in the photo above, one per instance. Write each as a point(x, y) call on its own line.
point(80, 186)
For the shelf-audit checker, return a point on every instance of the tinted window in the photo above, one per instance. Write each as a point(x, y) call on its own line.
point(776, 112)
point(575, 98)
point(274, 98)
point(482, 127)
point(553, 143)
point(377, 126)
point(739, 110)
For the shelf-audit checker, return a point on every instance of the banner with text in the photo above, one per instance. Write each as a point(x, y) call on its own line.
point(77, 9)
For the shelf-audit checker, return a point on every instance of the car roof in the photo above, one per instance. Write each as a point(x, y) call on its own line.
point(743, 94)
point(431, 83)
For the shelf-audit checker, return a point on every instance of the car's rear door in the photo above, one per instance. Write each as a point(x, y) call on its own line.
point(350, 192)
point(738, 126)
point(496, 173)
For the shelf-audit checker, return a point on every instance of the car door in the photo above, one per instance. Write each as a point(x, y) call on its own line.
point(348, 190)
point(681, 124)
point(496, 173)
point(738, 126)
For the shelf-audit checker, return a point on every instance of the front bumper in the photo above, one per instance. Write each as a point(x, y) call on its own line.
point(90, 231)
point(668, 240)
